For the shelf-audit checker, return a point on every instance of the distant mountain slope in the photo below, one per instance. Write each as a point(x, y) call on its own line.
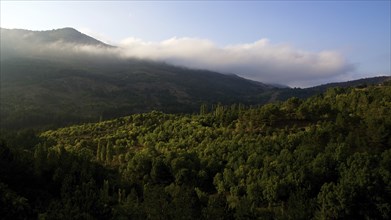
point(60, 77)
point(67, 35)
point(285, 93)
point(354, 83)
point(46, 84)
point(58, 44)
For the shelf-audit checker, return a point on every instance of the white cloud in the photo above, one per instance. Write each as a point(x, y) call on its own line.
point(102, 37)
point(260, 60)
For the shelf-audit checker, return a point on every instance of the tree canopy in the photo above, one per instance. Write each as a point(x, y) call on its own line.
point(325, 157)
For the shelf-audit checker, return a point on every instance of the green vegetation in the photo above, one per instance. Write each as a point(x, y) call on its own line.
point(326, 157)
point(46, 83)
point(41, 93)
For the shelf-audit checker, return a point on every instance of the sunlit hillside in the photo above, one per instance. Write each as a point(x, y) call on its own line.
point(326, 157)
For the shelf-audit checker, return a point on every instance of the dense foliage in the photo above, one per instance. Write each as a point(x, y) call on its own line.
point(326, 157)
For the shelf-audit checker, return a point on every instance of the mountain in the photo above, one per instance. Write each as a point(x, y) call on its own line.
point(62, 76)
point(319, 157)
point(66, 44)
point(353, 83)
point(285, 93)
point(67, 35)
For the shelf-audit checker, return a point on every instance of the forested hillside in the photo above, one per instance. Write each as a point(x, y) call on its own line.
point(56, 78)
point(63, 77)
point(326, 157)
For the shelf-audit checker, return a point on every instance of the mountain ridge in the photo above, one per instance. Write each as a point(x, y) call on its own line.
point(49, 86)
point(353, 83)
point(66, 34)
point(42, 86)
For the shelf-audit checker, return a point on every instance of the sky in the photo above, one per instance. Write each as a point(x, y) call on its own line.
point(297, 43)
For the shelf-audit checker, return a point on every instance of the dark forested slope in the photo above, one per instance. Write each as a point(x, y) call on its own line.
point(62, 77)
point(326, 157)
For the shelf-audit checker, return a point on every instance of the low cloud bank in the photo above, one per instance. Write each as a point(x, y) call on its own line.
point(261, 60)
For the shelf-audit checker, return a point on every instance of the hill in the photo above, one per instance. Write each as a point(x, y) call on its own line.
point(353, 83)
point(59, 77)
point(326, 157)
point(14, 39)
point(68, 34)
point(62, 77)
point(286, 93)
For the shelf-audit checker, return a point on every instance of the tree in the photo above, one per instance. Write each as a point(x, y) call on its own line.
point(99, 151)
point(109, 152)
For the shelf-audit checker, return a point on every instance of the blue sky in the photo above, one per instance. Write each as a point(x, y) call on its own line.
point(356, 33)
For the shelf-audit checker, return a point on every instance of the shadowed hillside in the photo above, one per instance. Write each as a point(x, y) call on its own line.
point(62, 76)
